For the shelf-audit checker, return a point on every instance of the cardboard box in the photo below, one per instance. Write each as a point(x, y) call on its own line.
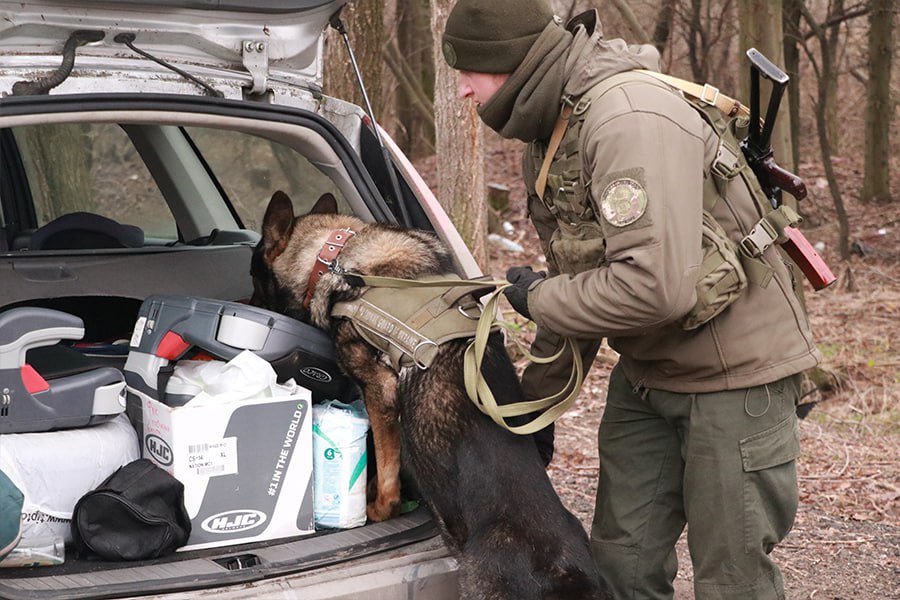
point(246, 466)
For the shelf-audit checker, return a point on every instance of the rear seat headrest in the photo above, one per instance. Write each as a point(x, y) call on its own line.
point(83, 230)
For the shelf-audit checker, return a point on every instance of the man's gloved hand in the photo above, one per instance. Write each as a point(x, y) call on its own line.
point(523, 280)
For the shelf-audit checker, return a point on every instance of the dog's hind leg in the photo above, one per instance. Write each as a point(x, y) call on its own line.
point(379, 388)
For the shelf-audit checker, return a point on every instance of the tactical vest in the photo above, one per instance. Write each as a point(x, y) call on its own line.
point(578, 243)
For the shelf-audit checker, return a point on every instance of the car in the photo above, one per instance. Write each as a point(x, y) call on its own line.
point(171, 123)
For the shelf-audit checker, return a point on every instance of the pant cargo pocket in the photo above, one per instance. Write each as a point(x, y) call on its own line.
point(770, 485)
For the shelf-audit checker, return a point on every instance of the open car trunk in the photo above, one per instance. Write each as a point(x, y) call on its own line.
point(139, 144)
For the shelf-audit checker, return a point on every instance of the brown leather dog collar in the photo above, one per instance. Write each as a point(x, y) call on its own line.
point(326, 258)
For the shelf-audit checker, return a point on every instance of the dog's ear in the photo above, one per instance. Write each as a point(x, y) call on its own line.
point(278, 223)
point(325, 205)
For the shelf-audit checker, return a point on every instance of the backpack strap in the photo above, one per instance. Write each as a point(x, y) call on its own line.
point(705, 93)
point(562, 124)
point(572, 106)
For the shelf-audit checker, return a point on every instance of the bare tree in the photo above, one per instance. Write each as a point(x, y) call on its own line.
point(761, 28)
point(69, 171)
point(792, 40)
point(363, 20)
point(639, 34)
point(410, 58)
point(460, 148)
point(825, 70)
point(836, 8)
point(879, 107)
point(697, 35)
point(662, 30)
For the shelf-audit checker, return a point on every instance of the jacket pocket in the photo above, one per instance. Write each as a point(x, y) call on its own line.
point(774, 446)
point(578, 247)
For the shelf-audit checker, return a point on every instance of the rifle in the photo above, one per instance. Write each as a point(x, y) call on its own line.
point(757, 149)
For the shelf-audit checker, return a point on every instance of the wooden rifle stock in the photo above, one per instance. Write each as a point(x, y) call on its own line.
point(772, 178)
point(807, 259)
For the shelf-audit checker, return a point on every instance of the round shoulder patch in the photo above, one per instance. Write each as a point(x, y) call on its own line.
point(623, 202)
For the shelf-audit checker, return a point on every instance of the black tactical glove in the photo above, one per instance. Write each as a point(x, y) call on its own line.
point(523, 279)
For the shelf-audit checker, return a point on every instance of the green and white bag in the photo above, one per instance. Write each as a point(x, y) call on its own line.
point(339, 464)
point(11, 499)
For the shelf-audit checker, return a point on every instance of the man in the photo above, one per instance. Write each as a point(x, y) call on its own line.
point(700, 425)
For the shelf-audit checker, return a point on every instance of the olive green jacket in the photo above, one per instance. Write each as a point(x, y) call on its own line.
point(641, 131)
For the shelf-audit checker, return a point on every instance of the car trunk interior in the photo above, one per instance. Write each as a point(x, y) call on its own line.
point(105, 287)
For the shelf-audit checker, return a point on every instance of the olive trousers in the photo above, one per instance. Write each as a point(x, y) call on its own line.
point(723, 463)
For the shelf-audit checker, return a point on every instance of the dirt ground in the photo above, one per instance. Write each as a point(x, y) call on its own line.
point(845, 543)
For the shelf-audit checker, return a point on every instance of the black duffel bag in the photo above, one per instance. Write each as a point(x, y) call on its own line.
point(137, 513)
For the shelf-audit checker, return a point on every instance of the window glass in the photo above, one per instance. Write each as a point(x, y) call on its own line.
point(251, 168)
point(92, 167)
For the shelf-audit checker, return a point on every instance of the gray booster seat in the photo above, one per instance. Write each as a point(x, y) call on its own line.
point(171, 328)
point(32, 401)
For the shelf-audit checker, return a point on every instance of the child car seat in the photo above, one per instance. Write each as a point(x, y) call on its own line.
point(171, 328)
point(31, 403)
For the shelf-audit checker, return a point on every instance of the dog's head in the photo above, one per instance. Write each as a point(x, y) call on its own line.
point(286, 254)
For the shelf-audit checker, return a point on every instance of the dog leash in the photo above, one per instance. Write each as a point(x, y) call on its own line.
point(550, 407)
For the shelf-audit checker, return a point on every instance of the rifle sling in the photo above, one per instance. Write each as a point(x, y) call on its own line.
point(706, 93)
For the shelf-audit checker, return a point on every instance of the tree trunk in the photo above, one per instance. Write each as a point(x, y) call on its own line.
point(824, 72)
point(364, 21)
point(68, 172)
point(879, 108)
point(792, 68)
point(460, 148)
point(662, 31)
point(413, 56)
point(697, 43)
point(761, 28)
point(835, 17)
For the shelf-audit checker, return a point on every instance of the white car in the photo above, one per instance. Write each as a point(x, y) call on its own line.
point(177, 120)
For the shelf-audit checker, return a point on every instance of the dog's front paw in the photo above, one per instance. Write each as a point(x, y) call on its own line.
point(382, 509)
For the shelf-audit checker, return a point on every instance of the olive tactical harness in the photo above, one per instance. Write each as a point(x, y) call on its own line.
point(726, 266)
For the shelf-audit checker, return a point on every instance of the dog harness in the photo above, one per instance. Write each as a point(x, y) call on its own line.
point(409, 327)
point(448, 292)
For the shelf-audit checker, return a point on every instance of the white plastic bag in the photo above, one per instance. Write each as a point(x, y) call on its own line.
point(55, 469)
point(244, 377)
point(339, 464)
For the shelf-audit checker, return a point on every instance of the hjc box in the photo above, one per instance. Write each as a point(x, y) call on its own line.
point(246, 466)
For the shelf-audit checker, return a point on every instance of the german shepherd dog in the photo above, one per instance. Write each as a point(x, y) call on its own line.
point(487, 488)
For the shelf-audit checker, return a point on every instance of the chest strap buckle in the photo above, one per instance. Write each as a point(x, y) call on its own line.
point(760, 238)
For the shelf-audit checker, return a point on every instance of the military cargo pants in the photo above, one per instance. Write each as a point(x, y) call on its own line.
point(723, 463)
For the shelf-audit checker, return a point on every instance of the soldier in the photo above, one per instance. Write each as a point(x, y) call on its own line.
point(635, 209)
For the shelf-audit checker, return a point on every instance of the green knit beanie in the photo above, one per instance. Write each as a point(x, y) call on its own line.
point(493, 36)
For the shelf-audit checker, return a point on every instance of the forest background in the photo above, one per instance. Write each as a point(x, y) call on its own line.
point(837, 129)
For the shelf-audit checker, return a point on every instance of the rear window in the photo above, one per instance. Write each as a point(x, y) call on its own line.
point(250, 169)
point(93, 168)
point(171, 184)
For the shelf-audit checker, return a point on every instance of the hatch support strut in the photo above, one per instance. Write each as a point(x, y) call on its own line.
point(338, 25)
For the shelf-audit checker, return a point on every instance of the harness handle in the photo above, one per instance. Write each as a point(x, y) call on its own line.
point(477, 389)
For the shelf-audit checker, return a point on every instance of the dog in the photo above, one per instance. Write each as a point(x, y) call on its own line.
point(486, 487)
